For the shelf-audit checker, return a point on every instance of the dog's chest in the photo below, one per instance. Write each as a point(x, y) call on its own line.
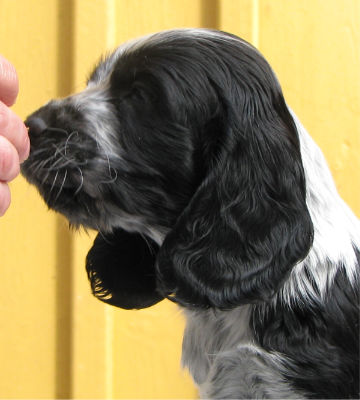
point(209, 333)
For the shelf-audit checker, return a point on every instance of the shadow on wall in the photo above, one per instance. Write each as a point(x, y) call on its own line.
point(64, 245)
point(210, 14)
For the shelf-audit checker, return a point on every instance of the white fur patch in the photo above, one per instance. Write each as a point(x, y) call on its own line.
point(336, 228)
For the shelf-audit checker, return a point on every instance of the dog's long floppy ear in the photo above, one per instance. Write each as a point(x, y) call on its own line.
point(247, 224)
point(121, 270)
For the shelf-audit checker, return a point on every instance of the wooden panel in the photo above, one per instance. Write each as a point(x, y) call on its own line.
point(313, 46)
point(138, 17)
point(28, 233)
point(89, 366)
point(239, 17)
point(56, 340)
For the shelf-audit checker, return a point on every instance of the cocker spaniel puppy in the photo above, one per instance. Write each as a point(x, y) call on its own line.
point(207, 190)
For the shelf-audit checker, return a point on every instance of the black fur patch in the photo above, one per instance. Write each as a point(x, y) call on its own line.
point(320, 341)
point(121, 271)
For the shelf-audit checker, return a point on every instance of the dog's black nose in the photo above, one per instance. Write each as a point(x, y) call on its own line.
point(36, 125)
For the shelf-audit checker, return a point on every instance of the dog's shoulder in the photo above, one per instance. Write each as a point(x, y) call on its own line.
point(319, 339)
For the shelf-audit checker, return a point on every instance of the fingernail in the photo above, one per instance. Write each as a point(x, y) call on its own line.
point(26, 154)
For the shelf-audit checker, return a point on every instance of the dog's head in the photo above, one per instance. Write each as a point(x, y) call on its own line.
point(182, 152)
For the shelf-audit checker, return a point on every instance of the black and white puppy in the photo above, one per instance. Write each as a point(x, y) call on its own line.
point(206, 189)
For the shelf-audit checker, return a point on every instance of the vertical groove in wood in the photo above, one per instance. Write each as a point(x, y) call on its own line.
point(65, 47)
point(210, 14)
point(63, 312)
point(64, 240)
point(109, 352)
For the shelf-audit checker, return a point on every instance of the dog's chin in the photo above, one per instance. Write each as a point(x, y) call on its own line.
point(88, 208)
point(79, 208)
point(73, 209)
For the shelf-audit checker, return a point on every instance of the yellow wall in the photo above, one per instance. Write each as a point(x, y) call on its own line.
point(56, 341)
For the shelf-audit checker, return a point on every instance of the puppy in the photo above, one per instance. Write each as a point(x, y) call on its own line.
point(207, 190)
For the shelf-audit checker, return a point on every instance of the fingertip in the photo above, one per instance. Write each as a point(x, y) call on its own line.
point(9, 161)
point(9, 82)
point(5, 198)
point(25, 147)
point(14, 130)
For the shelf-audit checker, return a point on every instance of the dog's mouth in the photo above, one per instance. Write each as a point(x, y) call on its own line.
point(58, 166)
point(61, 187)
point(55, 166)
point(54, 187)
point(63, 191)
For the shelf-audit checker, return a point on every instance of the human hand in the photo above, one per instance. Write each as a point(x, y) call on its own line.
point(14, 139)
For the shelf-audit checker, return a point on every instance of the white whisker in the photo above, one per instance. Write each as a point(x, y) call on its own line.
point(54, 181)
point(61, 186)
point(110, 169)
point(81, 182)
point(68, 139)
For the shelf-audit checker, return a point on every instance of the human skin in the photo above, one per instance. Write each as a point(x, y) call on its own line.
point(14, 139)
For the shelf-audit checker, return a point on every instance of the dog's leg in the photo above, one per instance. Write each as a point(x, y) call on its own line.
point(247, 372)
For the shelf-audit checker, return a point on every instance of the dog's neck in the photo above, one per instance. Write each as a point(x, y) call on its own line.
point(336, 229)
